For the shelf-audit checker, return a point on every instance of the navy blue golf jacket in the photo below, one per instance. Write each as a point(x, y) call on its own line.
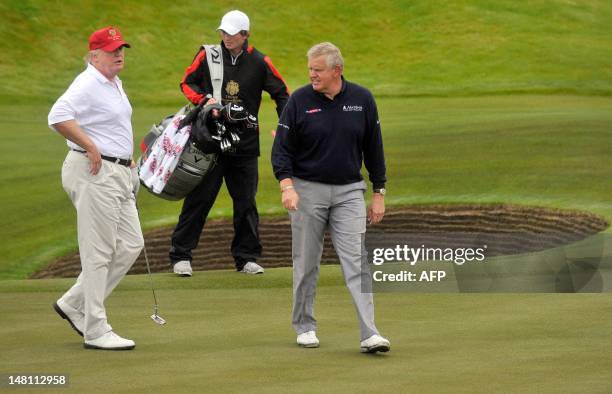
point(323, 140)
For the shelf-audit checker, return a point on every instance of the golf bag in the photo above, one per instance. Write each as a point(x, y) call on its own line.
point(179, 165)
point(192, 165)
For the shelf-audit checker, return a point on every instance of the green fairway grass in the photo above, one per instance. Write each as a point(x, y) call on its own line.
point(231, 333)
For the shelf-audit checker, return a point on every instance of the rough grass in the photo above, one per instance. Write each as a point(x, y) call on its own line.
point(397, 48)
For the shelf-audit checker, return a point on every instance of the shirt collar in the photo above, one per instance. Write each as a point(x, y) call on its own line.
point(340, 93)
point(93, 71)
point(245, 47)
point(343, 88)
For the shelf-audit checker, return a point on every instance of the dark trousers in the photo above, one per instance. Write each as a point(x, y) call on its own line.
point(241, 177)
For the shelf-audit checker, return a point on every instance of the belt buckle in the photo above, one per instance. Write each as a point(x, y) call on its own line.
point(117, 160)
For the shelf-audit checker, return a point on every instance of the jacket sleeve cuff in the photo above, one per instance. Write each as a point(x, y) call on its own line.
point(378, 185)
point(283, 175)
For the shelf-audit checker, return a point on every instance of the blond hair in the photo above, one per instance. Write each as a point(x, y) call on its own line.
point(332, 54)
point(89, 56)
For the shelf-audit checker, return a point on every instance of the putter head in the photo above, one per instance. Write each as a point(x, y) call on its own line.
point(158, 319)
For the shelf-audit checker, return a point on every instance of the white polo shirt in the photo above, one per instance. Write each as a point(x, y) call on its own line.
point(101, 109)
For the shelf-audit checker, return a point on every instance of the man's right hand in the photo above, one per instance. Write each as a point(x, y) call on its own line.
point(210, 101)
point(290, 199)
point(95, 159)
point(71, 130)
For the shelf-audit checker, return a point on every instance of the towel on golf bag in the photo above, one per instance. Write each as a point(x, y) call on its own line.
point(164, 155)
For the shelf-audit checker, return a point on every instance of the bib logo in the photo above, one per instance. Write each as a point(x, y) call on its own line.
point(352, 108)
point(232, 88)
point(215, 55)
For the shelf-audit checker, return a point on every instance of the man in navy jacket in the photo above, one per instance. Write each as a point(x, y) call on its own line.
point(326, 131)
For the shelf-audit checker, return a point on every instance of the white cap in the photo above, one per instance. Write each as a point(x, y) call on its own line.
point(234, 22)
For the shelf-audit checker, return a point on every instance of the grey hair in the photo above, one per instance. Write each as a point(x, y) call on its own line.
point(89, 56)
point(332, 54)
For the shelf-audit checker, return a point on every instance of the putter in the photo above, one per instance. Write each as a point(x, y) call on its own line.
point(155, 316)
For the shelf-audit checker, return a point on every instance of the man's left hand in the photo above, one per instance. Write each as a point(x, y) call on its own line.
point(135, 178)
point(376, 210)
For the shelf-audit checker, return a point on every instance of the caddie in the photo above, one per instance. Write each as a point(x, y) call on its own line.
point(246, 73)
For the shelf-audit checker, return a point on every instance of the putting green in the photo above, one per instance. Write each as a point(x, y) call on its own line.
point(232, 332)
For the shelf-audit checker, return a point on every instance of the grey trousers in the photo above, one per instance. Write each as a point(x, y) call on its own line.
point(341, 208)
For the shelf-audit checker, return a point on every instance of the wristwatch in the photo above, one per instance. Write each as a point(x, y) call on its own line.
point(381, 191)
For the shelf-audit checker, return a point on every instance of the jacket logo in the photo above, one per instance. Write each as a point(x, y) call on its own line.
point(232, 88)
point(215, 55)
point(313, 111)
point(352, 108)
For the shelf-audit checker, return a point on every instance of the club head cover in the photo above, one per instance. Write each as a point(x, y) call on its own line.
point(191, 115)
point(237, 115)
point(206, 125)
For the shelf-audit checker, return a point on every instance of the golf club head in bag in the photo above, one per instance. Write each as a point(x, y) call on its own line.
point(236, 115)
point(207, 129)
point(218, 128)
point(237, 121)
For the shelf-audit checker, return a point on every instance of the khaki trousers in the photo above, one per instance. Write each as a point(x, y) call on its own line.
point(109, 233)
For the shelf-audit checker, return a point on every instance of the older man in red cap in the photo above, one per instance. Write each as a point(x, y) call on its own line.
point(94, 115)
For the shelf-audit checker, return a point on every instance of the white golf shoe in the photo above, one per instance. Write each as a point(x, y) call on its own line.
point(308, 339)
point(74, 317)
point(374, 344)
point(110, 341)
point(252, 268)
point(182, 268)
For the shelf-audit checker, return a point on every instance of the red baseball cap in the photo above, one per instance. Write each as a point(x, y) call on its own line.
point(108, 39)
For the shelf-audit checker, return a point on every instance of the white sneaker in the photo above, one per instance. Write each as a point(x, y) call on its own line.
point(253, 268)
point(374, 344)
point(110, 341)
point(308, 339)
point(182, 268)
point(75, 318)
